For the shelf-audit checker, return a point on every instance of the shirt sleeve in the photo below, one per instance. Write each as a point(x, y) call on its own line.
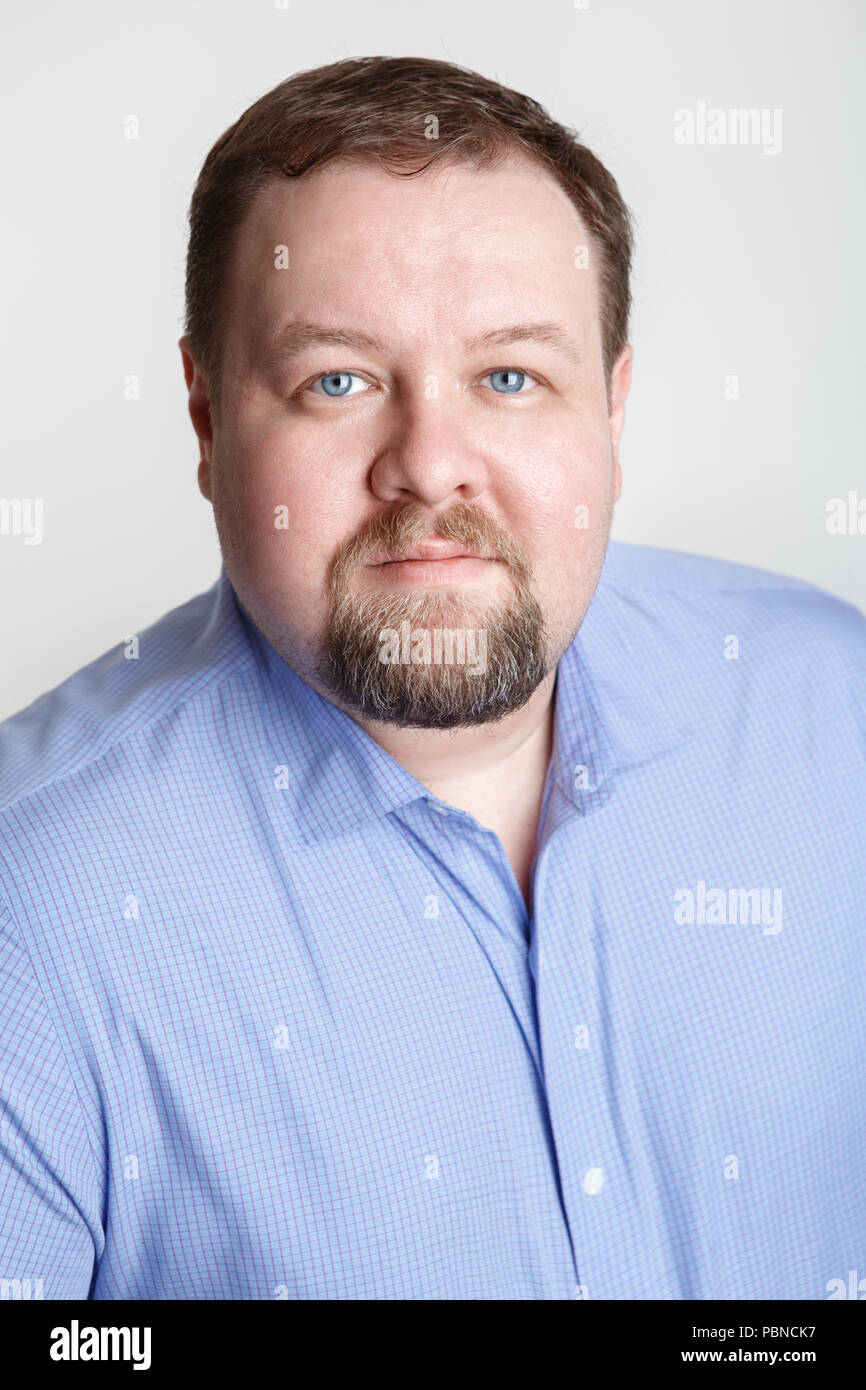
point(50, 1229)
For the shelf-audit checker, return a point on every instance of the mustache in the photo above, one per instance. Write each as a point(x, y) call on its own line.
point(399, 530)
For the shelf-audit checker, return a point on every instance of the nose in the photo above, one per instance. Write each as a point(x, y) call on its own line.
point(428, 456)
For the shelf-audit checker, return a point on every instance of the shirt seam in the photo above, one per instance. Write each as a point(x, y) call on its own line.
point(100, 1185)
point(244, 659)
point(793, 586)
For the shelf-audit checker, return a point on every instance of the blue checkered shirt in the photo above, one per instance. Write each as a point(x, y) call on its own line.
point(275, 1021)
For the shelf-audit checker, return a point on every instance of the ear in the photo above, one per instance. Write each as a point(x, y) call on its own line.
point(200, 413)
point(620, 381)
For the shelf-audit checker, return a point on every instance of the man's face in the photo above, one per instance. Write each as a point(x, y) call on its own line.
point(425, 417)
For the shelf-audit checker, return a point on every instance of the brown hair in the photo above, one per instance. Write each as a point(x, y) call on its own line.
point(379, 109)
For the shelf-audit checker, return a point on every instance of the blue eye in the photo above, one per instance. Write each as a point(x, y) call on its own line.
point(337, 383)
point(512, 383)
point(507, 381)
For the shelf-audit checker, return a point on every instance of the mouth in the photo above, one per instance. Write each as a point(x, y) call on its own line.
point(432, 561)
point(434, 548)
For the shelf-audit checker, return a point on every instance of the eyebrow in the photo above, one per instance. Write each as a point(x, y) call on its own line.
point(296, 336)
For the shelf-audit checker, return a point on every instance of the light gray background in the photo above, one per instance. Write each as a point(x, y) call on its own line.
point(747, 264)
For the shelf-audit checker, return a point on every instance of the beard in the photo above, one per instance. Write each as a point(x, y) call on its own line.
point(430, 657)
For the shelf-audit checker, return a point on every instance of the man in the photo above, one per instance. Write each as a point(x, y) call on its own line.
point(445, 905)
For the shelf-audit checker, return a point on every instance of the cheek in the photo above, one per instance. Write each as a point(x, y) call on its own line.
point(278, 521)
point(562, 485)
point(567, 508)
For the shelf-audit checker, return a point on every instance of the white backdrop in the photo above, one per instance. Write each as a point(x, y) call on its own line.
point(750, 266)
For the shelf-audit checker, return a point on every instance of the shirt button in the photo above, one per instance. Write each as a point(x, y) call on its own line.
point(593, 1179)
point(435, 806)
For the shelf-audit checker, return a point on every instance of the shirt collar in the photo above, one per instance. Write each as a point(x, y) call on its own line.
point(621, 699)
point(615, 709)
point(337, 777)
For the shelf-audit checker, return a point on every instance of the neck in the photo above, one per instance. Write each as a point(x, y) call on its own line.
point(469, 767)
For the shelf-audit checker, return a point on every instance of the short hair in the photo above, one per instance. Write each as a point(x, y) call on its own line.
point(379, 109)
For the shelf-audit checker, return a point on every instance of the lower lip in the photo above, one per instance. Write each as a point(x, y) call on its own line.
point(459, 567)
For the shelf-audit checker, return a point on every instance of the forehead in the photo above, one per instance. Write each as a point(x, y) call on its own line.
point(447, 252)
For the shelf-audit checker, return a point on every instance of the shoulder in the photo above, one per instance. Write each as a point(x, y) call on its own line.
point(686, 592)
point(123, 693)
point(711, 644)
